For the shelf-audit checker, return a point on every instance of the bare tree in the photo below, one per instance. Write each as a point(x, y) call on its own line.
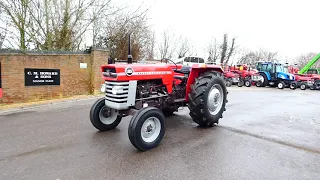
point(61, 24)
point(184, 47)
point(54, 24)
point(226, 50)
point(18, 13)
point(150, 48)
point(117, 29)
point(212, 50)
point(231, 50)
point(304, 59)
point(167, 44)
point(252, 57)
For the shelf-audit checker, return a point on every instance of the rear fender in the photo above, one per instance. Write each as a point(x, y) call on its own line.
point(196, 71)
point(267, 74)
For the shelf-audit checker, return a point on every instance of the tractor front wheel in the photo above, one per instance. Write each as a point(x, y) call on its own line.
point(281, 85)
point(229, 82)
point(258, 83)
point(303, 86)
point(207, 99)
point(240, 83)
point(247, 83)
point(293, 86)
point(147, 128)
point(102, 117)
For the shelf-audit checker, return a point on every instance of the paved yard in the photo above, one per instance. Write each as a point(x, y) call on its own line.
point(265, 134)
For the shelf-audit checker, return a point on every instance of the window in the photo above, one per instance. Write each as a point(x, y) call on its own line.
point(312, 71)
point(279, 68)
point(194, 60)
point(201, 60)
point(187, 59)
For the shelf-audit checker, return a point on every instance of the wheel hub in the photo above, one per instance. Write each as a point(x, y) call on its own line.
point(215, 99)
point(107, 115)
point(150, 129)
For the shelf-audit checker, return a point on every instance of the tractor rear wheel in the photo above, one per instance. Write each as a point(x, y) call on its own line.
point(207, 99)
point(265, 81)
point(102, 117)
point(147, 128)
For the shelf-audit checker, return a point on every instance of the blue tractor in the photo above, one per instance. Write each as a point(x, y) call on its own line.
point(274, 74)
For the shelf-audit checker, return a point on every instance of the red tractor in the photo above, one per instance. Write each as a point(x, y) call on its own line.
point(302, 81)
point(231, 77)
point(245, 74)
point(149, 92)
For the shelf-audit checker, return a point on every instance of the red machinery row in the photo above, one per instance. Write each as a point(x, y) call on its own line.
point(243, 75)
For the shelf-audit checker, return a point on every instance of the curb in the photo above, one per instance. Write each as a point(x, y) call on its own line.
point(46, 104)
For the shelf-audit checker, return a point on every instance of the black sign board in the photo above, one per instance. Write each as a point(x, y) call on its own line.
point(41, 77)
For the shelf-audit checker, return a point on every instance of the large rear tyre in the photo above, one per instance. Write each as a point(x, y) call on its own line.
point(207, 99)
point(265, 81)
point(102, 117)
point(147, 128)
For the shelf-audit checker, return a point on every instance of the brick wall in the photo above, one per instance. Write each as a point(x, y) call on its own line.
point(73, 79)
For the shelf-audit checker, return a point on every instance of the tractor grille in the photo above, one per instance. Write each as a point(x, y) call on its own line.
point(117, 92)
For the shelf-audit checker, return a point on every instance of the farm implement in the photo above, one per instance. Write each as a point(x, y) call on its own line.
point(307, 77)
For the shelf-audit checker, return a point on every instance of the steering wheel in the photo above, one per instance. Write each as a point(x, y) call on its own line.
point(174, 64)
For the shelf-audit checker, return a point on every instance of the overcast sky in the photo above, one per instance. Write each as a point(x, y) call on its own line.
point(288, 27)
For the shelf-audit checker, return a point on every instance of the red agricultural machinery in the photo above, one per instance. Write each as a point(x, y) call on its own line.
point(302, 81)
point(231, 78)
point(149, 92)
point(246, 75)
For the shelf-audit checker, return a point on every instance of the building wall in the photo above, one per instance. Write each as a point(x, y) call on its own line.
point(73, 79)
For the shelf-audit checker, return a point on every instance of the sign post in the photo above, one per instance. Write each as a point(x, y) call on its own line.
point(41, 77)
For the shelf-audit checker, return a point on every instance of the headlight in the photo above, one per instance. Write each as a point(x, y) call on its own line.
point(117, 90)
point(103, 88)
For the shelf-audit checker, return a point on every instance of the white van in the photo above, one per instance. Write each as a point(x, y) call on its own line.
point(189, 60)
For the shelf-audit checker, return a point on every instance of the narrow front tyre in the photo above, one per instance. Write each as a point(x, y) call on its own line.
point(147, 128)
point(293, 86)
point(102, 117)
point(247, 83)
point(303, 86)
point(240, 83)
point(281, 85)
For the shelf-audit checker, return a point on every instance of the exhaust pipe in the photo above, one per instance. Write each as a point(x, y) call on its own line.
point(129, 50)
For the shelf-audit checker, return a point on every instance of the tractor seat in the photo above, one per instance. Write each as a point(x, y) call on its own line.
point(184, 70)
point(180, 77)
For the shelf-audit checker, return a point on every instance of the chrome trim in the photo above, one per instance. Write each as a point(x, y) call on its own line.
point(123, 100)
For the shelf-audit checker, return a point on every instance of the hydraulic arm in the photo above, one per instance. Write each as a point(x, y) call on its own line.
point(310, 64)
